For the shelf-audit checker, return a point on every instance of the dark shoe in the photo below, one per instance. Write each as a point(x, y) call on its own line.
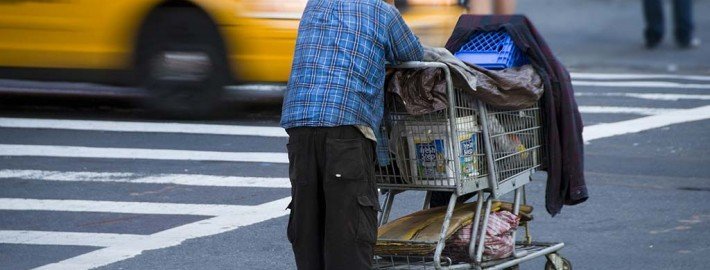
point(690, 44)
point(652, 43)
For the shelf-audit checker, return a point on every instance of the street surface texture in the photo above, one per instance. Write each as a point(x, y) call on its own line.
point(116, 189)
point(88, 181)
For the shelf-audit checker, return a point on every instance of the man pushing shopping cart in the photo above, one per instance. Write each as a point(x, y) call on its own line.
point(332, 108)
point(477, 137)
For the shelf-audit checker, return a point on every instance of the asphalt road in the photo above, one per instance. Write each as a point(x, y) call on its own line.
point(116, 188)
point(191, 196)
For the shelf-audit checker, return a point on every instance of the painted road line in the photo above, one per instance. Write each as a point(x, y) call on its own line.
point(175, 179)
point(641, 84)
point(149, 208)
point(645, 123)
point(649, 96)
point(174, 236)
point(67, 238)
point(125, 126)
point(607, 76)
point(138, 153)
point(627, 110)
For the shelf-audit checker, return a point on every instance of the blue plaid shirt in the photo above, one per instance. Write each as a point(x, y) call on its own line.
point(338, 71)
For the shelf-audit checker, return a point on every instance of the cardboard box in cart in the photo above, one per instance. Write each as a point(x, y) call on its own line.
point(431, 154)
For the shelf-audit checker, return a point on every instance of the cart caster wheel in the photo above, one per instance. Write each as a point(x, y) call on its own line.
point(566, 265)
point(513, 268)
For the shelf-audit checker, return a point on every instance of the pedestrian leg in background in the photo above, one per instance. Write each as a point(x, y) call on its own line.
point(486, 7)
point(683, 22)
point(504, 7)
point(653, 14)
point(333, 223)
point(480, 7)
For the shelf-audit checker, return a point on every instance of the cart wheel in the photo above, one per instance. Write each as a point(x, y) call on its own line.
point(566, 264)
point(516, 267)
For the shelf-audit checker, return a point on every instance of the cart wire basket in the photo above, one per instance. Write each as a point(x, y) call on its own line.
point(468, 147)
point(446, 150)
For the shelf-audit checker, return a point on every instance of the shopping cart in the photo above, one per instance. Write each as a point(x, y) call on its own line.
point(469, 147)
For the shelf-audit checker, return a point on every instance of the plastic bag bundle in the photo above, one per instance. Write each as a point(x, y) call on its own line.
point(417, 233)
point(498, 243)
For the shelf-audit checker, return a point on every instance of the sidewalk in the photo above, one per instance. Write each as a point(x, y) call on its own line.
point(607, 36)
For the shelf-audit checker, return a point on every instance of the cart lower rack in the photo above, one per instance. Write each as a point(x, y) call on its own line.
point(467, 149)
point(529, 252)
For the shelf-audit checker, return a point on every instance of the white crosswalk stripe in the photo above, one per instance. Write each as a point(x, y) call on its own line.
point(174, 236)
point(645, 123)
point(648, 96)
point(630, 110)
point(149, 127)
point(641, 81)
point(220, 218)
point(121, 207)
point(610, 76)
point(123, 246)
point(137, 153)
point(67, 238)
point(641, 84)
point(124, 177)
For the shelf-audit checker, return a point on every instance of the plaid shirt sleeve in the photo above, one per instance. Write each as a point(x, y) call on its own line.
point(404, 45)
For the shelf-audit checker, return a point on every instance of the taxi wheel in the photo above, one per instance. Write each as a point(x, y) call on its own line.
point(181, 62)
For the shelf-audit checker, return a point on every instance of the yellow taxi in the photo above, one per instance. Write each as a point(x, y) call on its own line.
point(182, 51)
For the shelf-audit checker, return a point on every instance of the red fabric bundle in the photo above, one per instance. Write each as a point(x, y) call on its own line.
point(498, 243)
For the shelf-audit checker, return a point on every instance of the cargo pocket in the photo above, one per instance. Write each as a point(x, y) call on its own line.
point(344, 159)
point(290, 229)
point(367, 219)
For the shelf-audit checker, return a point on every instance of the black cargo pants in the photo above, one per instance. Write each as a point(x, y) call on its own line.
point(333, 221)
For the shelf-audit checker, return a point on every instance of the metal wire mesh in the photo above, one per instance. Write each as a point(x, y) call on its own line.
point(516, 136)
point(407, 262)
point(418, 262)
point(425, 152)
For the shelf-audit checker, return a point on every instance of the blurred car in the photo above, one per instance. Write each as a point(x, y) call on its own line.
point(182, 51)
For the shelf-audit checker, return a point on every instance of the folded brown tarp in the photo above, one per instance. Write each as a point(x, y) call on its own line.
point(424, 90)
point(425, 226)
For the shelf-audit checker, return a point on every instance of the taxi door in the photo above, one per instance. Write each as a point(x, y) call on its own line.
point(47, 33)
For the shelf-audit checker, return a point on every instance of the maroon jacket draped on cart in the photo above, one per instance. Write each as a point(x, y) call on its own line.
point(562, 120)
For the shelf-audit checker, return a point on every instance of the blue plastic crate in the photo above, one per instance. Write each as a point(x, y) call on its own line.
point(491, 50)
